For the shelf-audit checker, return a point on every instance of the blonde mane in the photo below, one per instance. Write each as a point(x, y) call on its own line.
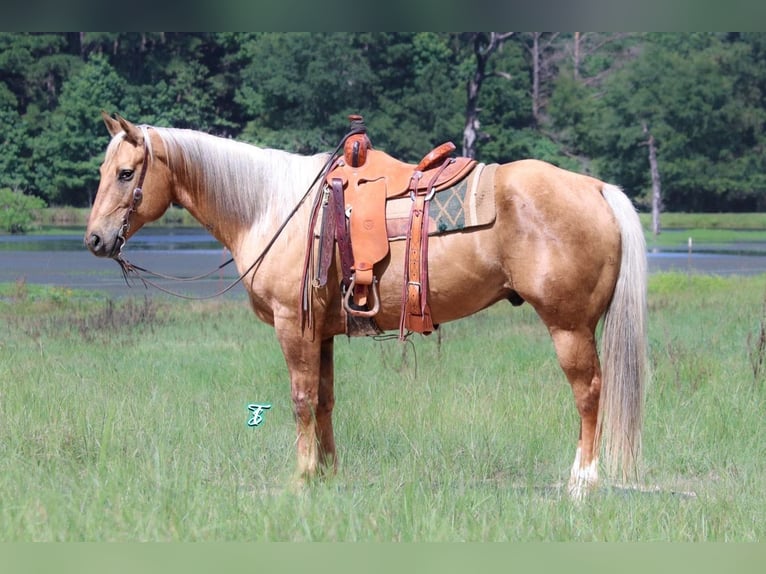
point(239, 183)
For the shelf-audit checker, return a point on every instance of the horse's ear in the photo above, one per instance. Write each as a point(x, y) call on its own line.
point(112, 125)
point(132, 133)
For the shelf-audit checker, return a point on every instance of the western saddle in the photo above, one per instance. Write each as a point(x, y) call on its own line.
point(353, 206)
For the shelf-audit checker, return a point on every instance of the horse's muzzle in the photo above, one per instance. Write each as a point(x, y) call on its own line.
point(101, 247)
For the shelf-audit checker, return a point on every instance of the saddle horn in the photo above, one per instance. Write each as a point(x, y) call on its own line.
point(357, 144)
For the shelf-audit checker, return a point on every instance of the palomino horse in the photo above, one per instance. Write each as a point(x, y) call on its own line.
point(568, 244)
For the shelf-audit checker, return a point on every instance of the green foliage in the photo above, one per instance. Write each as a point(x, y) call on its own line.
point(67, 154)
point(573, 110)
point(701, 95)
point(298, 88)
point(17, 211)
point(14, 171)
point(685, 98)
point(419, 111)
point(506, 112)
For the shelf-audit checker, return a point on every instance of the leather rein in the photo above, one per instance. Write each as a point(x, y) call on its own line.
point(130, 269)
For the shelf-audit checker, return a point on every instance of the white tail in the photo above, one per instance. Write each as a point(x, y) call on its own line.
point(623, 347)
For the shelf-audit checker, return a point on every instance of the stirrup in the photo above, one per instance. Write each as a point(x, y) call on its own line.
point(357, 312)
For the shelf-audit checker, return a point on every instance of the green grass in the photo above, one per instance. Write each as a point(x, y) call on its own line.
point(721, 238)
point(737, 221)
point(705, 229)
point(21, 292)
point(124, 421)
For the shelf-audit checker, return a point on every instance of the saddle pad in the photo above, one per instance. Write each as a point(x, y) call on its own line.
point(468, 204)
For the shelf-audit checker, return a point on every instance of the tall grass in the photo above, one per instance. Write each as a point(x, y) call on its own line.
point(127, 421)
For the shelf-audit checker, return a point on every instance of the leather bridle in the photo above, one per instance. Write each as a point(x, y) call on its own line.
point(135, 201)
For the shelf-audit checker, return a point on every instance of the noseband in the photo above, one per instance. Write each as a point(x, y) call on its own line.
point(138, 195)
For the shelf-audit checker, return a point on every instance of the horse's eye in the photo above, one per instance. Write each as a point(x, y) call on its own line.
point(126, 175)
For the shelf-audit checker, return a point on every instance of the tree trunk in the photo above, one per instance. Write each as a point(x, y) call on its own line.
point(536, 77)
point(471, 131)
point(576, 57)
point(656, 188)
point(483, 48)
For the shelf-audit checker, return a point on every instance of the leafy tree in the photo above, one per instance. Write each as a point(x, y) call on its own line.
point(573, 110)
point(182, 99)
point(746, 139)
point(67, 154)
point(484, 46)
point(188, 84)
point(13, 137)
point(580, 100)
point(505, 113)
point(17, 211)
point(138, 57)
point(298, 89)
point(34, 67)
point(687, 104)
point(586, 60)
point(420, 107)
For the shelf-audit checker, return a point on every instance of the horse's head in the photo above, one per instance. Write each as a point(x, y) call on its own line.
point(134, 187)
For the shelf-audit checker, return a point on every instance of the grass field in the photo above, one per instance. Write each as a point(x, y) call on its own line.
point(126, 421)
point(734, 221)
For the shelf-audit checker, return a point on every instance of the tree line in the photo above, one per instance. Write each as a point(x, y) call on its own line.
point(598, 103)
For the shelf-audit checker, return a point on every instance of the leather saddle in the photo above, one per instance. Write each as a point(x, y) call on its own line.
point(357, 187)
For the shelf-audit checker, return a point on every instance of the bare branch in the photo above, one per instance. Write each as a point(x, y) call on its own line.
point(608, 40)
point(483, 48)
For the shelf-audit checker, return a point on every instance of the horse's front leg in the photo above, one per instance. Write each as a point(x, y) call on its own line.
point(311, 381)
point(325, 404)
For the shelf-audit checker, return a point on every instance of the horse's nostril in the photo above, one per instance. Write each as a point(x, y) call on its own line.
point(94, 241)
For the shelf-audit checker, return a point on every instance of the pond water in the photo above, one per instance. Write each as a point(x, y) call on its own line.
point(63, 260)
point(149, 239)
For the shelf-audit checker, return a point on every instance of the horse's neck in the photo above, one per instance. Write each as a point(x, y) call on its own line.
point(238, 191)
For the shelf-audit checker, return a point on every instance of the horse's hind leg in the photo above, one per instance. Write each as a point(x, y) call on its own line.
point(576, 350)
